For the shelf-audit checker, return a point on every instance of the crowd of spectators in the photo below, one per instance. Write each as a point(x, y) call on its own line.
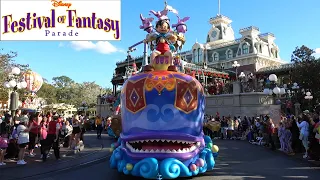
point(25, 131)
point(291, 135)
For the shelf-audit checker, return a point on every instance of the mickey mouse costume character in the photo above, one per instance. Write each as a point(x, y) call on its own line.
point(164, 40)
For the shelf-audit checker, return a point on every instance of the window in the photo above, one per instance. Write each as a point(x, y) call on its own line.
point(215, 56)
point(229, 54)
point(245, 49)
point(195, 56)
point(260, 48)
point(276, 54)
point(199, 55)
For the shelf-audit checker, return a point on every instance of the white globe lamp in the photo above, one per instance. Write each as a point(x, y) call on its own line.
point(12, 83)
point(23, 84)
point(308, 93)
point(266, 91)
point(273, 77)
point(15, 71)
point(282, 91)
point(18, 85)
point(276, 90)
point(6, 85)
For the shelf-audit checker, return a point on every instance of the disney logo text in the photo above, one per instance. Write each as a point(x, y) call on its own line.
point(56, 3)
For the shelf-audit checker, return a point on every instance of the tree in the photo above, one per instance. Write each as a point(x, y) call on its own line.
point(89, 92)
point(6, 63)
point(108, 91)
point(48, 92)
point(306, 71)
point(62, 81)
point(64, 89)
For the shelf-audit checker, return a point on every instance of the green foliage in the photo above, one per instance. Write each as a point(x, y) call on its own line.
point(6, 63)
point(62, 81)
point(65, 90)
point(48, 92)
point(62, 90)
point(306, 71)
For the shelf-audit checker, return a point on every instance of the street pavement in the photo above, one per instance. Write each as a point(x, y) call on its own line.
point(95, 150)
point(238, 160)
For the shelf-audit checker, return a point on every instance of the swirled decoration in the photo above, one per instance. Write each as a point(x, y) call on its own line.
point(147, 168)
point(172, 168)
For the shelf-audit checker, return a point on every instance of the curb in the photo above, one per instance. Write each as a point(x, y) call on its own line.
point(53, 163)
point(297, 156)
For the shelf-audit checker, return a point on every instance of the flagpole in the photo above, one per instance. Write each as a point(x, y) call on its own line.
point(218, 7)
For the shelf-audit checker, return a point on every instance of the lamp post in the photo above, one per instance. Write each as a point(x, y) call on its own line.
point(84, 107)
point(295, 88)
point(14, 82)
point(274, 89)
point(309, 98)
point(236, 65)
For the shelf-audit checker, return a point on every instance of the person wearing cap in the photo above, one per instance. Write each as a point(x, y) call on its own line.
point(23, 138)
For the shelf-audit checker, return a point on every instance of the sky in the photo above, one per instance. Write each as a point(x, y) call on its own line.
point(294, 23)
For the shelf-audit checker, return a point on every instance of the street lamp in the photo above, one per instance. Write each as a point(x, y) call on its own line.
point(273, 78)
point(14, 82)
point(236, 65)
point(308, 97)
point(295, 86)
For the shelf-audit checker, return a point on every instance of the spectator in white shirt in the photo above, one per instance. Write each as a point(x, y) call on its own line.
point(304, 133)
point(23, 139)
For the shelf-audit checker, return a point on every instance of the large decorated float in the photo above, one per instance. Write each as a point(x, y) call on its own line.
point(162, 112)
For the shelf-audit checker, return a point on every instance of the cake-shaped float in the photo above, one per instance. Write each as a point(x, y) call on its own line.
point(162, 112)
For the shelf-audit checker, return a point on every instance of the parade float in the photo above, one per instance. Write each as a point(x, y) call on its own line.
point(31, 102)
point(162, 112)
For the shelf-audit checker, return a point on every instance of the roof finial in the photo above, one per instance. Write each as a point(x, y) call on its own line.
point(196, 40)
point(165, 4)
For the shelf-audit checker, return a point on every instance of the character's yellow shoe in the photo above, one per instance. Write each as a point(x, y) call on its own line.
point(161, 62)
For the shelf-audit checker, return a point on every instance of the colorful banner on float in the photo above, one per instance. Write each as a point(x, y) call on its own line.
point(51, 20)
